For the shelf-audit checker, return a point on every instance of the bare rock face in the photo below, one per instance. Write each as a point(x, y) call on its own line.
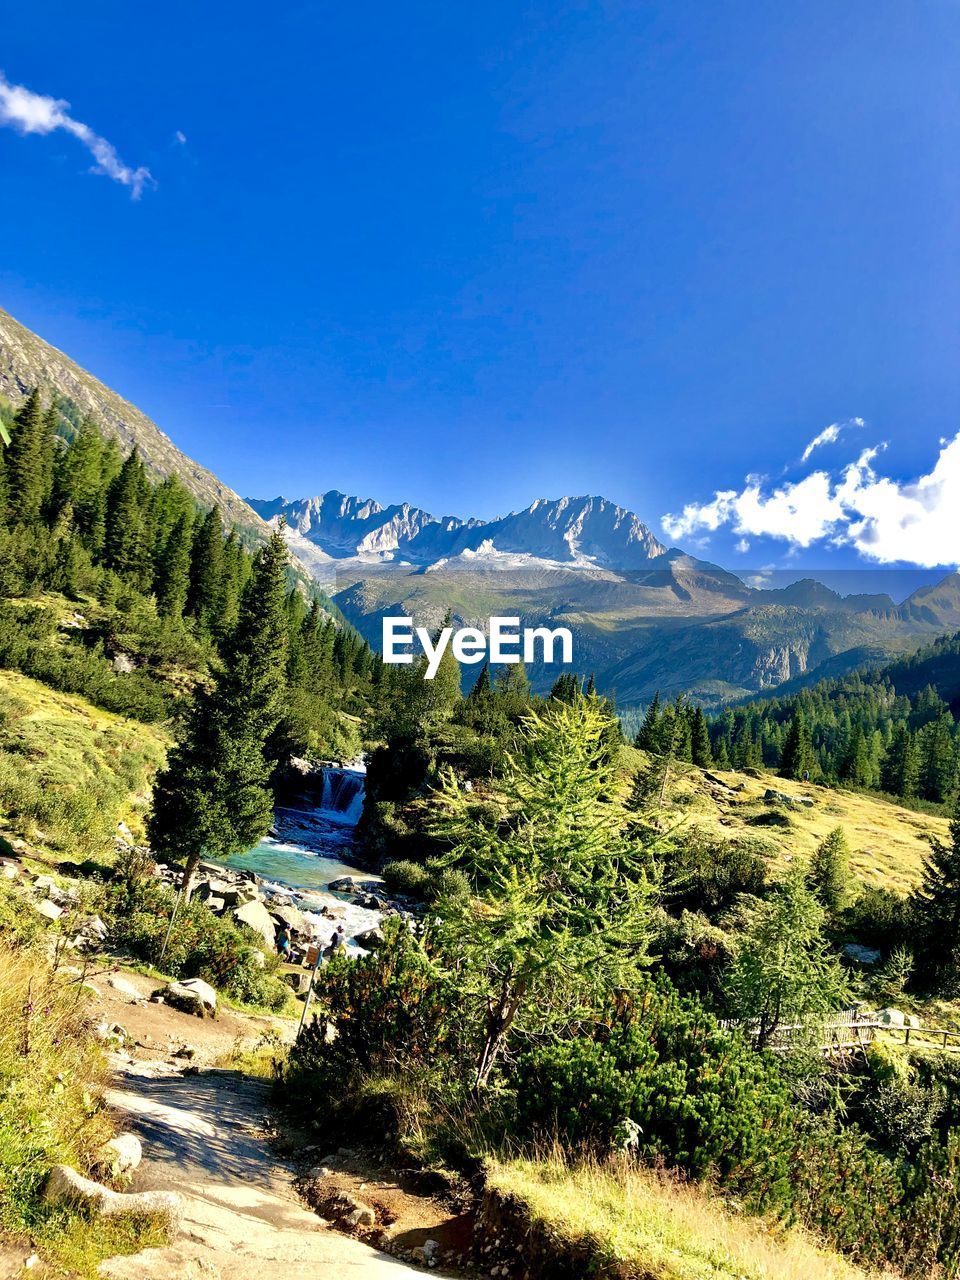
point(65, 1185)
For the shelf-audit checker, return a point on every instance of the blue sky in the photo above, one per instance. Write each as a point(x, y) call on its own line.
point(470, 255)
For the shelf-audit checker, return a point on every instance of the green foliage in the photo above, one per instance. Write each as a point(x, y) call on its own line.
point(213, 797)
point(829, 874)
point(936, 907)
point(201, 944)
point(797, 757)
point(893, 728)
point(704, 1101)
point(409, 878)
point(395, 1005)
point(560, 883)
point(784, 971)
point(702, 872)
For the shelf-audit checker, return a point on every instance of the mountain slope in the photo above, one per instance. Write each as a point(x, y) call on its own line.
point(26, 361)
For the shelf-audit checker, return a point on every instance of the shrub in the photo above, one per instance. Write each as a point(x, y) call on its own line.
point(387, 1008)
point(201, 944)
point(406, 878)
point(704, 1101)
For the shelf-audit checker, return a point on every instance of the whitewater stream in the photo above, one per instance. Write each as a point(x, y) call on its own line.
point(308, 853)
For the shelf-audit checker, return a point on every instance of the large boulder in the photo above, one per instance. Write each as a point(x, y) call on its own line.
point(65, 1186)
point(290, 916)
point(193, 995)
point(256, 916)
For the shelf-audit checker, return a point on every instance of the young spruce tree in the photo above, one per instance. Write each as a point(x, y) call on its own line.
point(213, 798)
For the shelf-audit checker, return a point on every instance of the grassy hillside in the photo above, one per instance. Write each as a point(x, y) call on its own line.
point(888, 842)
point(632, 1224)
point(69, 772)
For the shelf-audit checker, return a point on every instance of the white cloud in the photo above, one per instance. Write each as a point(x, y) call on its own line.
point(180, 137)
point(29, 112)
point(886, 520)
point(829, 435)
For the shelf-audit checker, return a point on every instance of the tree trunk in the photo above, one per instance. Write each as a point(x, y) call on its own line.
point(500, 1018)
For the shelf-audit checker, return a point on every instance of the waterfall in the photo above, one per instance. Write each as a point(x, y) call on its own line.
point(342, 799)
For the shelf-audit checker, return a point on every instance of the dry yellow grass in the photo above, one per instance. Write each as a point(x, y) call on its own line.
point(641, 1221)
point(888, 843)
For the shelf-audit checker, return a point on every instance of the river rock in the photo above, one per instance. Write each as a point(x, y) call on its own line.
point(256, 916)
point(65, 1185)
point(291, 916)
point(193, 995)
point(370, 940)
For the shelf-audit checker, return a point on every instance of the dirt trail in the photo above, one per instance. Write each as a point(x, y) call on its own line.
point(203, 1135)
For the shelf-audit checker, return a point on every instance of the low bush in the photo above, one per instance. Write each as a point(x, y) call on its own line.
point(201, 945)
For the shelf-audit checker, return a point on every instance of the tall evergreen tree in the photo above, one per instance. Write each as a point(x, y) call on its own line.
point(855, 765)
point(173, 571)
point(797, 756)
point(26, 462)
point(700, 740)
point(206, 571)
point(901, 764)
point(125, 542)
point(937, 759)
point(936, 905)
point(648, 735)
point(213, 797)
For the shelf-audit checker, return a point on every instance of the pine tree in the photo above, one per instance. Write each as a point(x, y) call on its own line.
point(700, 740)
point(648, 735)
point(26, 462)
point(901, 764)
point(483, 687)
point(206, 571)
point(81, 479)
point(855, 765)
point(213, 797)
point(173, 571)
point(936, 906)
point(566, 687)
point(829, 874)
point(937, 759)
point(559, 915)
point(784, 971)
point(797, 757)
point(125, 543)
point(722, 756)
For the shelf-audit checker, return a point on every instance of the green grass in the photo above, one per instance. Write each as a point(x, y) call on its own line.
point(70, 772)
point(638, 1223)
point(52, 1075)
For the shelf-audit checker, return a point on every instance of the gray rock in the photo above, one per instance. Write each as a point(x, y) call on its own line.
point(892, 1017)
point(256, 916)
point(291, 916)
point(370, 940)
point(48, 909)
point(122, 1154)
point(65, 1185)
point(193, 995)
point(124, 986)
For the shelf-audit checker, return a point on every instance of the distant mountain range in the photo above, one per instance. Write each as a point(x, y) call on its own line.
point(644, 616)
